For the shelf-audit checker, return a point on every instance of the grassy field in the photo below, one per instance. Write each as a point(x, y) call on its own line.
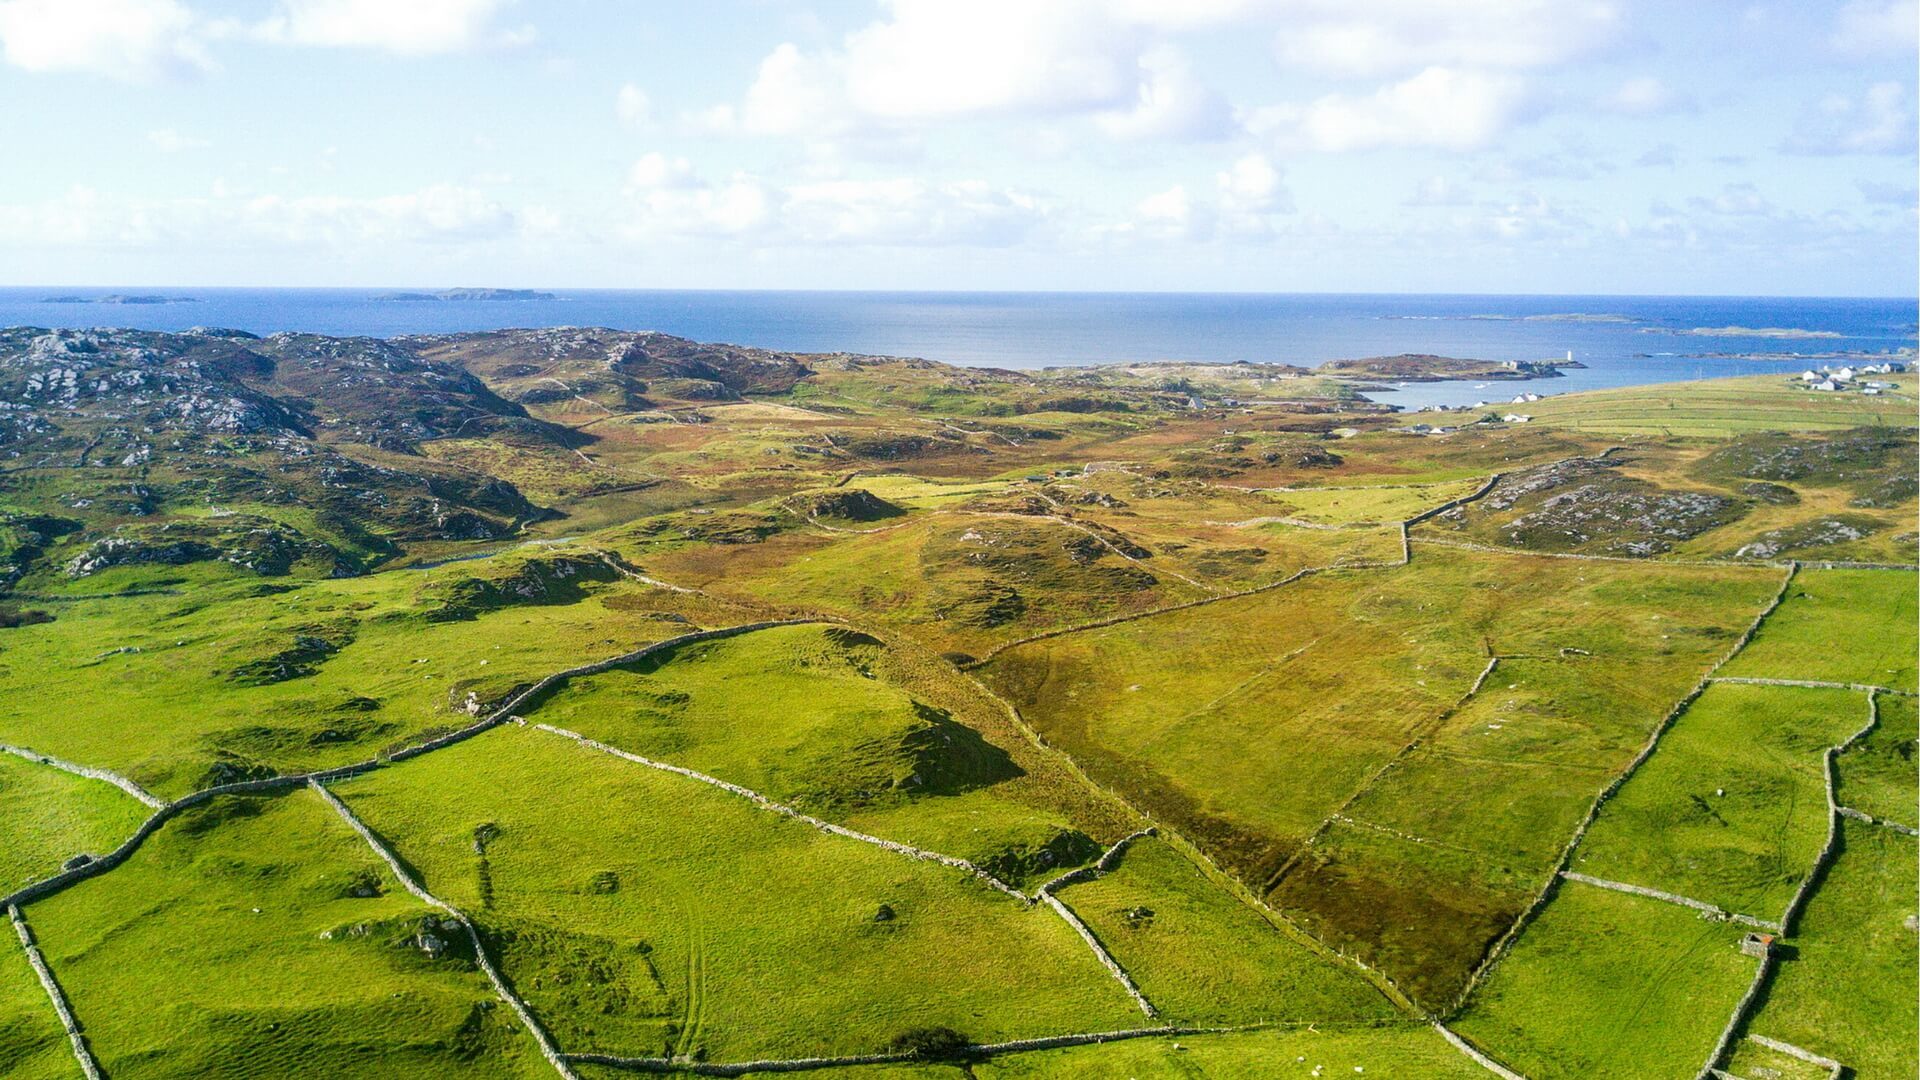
point(49, 816)
point(1732, 808)
point(271, 964)
point(1849, 992)
point(642, 912)
point(225, 682)
point(847, 727)
point(1815, 634)
point(1340, 746)
point(1877, 774)
point(1250, 721)
point(1203, 957)
point(32, 1045)
point(1362, 505)
point(1722, 408)
point(1609, 985)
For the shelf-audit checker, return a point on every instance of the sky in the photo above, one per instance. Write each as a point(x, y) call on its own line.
point(1461, 146)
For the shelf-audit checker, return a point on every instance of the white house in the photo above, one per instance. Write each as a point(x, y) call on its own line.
point(1826, 384)
point(1517, 418)
point(1809, 375)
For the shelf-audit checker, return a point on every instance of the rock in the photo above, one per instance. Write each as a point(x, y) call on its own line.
point(884, 914)
point(76, 862)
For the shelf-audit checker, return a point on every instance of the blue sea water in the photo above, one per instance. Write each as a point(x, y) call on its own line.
point(1651, 340)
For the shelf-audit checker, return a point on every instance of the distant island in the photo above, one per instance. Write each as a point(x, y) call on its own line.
point(1422, 367)
point(467, 294)
point(1754, 331)
point(118, 299)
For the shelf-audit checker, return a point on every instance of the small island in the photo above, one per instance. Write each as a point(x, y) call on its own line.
point(1423, 367)
point(454, 295)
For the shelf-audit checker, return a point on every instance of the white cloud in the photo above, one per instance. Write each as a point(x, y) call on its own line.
point(670, 199)
point(1645, 95)
point(84, 218)
point(1386, 37)
point(1878, 27)
point(125, 39)
point(930, 61)
point(656, 171)
point(407, 27)
point(1170, 103)
point(1880, 121)
point(633, 106)
point(1437, 190)
point(169, 141)
point(1252, 186)
point(1440, 107)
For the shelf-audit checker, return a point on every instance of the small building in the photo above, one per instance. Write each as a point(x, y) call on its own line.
point(1757, 945)
point(1517, 418)
point(1845, 374)
point(1827, 384)
point(1809, 375)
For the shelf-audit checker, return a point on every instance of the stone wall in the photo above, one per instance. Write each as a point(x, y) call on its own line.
point(1546, 893)
point(82, 1053)
point(90, 773)
point(547, 1048)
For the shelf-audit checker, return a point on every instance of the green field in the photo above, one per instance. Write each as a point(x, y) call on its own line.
point(32, 1044)
point(1203, 957)
point(1723, 408)
point(215, 685)
point(1877, 774)
point(1609, 985)
point(1028, 614)
point(850, 728)
point(1732, 808)
point(272, 965)
point(1240, 722)
point(671, 915)
point(48, 816)
point(1814, 634)
point(1849, 992)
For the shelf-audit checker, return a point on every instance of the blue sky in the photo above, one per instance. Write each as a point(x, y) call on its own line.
point(1582, 146)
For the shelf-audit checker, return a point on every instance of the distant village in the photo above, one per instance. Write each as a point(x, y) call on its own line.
point(1832, 380)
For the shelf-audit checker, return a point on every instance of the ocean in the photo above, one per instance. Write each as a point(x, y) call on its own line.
point(1622, 340)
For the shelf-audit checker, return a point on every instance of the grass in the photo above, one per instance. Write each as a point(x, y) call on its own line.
point(1732, 808)
point(1361, 505)
point(1877, 773)
point(1849, 992)
point(1604, 985)
point(231, 945)
point(49, 816)
point(845, 726)
point(32, 1044)
point(641, 912)
point(174, 715)
point(1203, 957)
point(1751, 1059)
point(1396, 1050)
point(1817, 633)
point(1249, 721)
point(1723, 408)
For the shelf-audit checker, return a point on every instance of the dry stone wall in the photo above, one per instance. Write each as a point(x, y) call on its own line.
point(82, 1053)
